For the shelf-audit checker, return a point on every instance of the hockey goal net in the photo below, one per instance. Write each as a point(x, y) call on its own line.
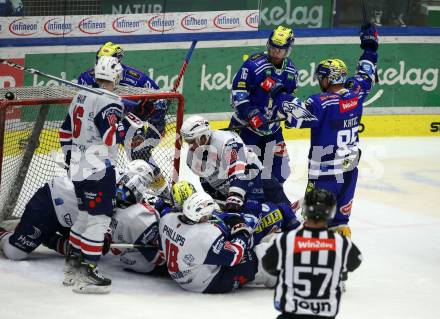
point(30, 150)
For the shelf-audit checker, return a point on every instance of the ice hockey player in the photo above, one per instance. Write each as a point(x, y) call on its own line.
point(46, 220)
point(228, 170)
point(142, 140)
point(93, 129)
point(53, 209)
point(130, 76)
point(200, 257)
point(260, 79)
point(309, 262)
point(334, 116)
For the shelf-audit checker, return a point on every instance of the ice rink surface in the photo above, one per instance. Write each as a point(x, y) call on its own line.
point(395, 222)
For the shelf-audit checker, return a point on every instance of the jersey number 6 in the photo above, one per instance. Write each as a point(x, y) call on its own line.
point(78, 113)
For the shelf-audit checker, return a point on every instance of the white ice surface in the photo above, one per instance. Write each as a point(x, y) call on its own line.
point(395, 222)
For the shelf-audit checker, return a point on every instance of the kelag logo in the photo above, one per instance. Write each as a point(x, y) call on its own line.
point(435, 127)
point(159, 24)
point(222, 21)
point(21, 28)
point(57, 26)
point(91, 25)
point(253, 20)
point(194, 23)
point(124, 25)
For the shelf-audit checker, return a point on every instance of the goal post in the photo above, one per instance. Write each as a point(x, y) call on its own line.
point(30, 147)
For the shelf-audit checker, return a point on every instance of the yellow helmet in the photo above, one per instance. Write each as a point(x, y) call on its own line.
point(110, 49)
point(281, 38)
point(181, 191)
point(333, 69)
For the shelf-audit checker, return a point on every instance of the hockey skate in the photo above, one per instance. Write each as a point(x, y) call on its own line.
point(91, 281)
point(71, 269)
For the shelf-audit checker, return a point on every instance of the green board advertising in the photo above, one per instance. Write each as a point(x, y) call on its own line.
point(297, 13)
point(406, 80)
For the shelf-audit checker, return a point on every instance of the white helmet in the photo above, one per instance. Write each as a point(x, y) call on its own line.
point(108, 68)
point(198, 206)
point(136, 180)
point(194, 128)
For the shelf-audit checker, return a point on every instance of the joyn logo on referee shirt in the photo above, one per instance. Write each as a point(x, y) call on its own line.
point(313, 244)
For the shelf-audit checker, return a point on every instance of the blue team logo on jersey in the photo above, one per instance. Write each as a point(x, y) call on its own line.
point(298, 111)
point(58, 201)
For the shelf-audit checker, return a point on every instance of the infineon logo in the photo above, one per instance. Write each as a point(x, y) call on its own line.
point(91, 25)
point(57, 26)
point(160, 24)
point(223, 21)
point(194, 23)
point(126, 25)
point(253, 19)
point(22, 28)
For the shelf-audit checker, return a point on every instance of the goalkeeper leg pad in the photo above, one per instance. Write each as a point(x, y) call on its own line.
point(262, 277)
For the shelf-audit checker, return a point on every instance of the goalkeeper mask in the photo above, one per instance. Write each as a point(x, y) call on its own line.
point(280, 43)
point(334, 70)
point(110, 49)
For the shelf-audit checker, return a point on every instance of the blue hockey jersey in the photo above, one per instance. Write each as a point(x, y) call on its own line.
point(130, 77)
point(247, 95)
point(334, 120)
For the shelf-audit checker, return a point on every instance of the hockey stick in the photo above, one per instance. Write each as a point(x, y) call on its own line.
point(239, 127)
point(184, 65)
point(130, 246)
point(133, 119)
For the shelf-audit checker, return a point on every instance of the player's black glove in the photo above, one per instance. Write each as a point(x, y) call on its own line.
point(369, 37)
point(144, 109)
point(237, 225)
point(107, 243)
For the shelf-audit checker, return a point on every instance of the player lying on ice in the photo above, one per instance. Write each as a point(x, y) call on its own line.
point(53, 209)
point(210, 251)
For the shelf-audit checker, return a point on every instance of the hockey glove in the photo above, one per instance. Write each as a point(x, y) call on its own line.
point(259, 123)
point(107, 242)
point(161, 105)
point(369, 37)
point(237, 225)
point(343, 230)
point(144, 109)
point(271, 86)
point(234, 202)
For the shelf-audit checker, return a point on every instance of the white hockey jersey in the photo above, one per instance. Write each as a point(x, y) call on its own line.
point(92, 128)
point(186, 248)
point(223, 163)
point(130, 223)
point(64, 200)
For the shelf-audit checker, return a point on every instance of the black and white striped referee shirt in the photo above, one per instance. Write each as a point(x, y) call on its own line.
point(309, 263)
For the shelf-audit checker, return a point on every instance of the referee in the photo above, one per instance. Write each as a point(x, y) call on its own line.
point(309, 262)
